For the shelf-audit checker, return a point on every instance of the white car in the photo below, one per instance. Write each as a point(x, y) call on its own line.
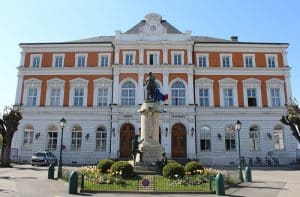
point(43, 158)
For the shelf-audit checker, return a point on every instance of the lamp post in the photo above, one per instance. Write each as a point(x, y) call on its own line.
point(62, 124)
point(237, 129)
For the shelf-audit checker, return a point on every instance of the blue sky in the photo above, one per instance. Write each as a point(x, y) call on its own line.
point(64, 20)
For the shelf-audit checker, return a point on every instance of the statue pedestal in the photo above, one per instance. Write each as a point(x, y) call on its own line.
point(150, 147)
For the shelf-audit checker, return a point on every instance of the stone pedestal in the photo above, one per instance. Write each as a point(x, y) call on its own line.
point(152, 150)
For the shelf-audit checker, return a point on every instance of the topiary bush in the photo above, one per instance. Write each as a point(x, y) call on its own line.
point(122, 168)
point(193, 167)
point(104, 165)
point(173, 170)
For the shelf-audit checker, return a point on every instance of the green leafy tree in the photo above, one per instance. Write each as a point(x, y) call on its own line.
point(292, 119)
point(8, 126)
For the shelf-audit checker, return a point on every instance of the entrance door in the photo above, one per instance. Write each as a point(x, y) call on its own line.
point(178, 141)
point(126, 137)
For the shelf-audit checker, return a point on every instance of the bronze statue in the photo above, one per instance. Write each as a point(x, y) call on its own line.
point(151, 87)
point(135, 148)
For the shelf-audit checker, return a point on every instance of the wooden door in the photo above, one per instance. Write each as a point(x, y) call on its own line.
point(126, 137)
point(178, 141)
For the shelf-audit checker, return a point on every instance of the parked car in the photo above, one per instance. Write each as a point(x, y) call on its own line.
point(43, 158)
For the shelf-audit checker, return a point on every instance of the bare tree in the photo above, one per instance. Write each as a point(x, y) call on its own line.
point(8, 126)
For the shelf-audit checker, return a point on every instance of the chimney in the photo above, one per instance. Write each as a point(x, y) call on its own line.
point(234, 38)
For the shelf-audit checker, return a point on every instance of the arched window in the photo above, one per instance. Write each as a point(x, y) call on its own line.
point(205, 136)
point(52, 137)
point(76, 138)
point(178, 93)
point(128, 93)
point(28, 136)
point(230, 138)
point(254, 138)
point(278, 138)
point(101, 137)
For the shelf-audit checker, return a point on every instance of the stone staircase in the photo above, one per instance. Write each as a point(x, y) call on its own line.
point(147, 184)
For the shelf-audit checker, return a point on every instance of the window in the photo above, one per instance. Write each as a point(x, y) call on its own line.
point(81, 60)
point(204, 97)
point(248, 61)
point(58, 61)
point(101, 137)
point(128, 93)
point(55, 97)
point(202, 61)
point(32, 97)
point(226, 60)
point(104, 60)
point(129, 59)
point(230, 139)
point(278, 138)
point(28, 136)
point(78, 97)
point(153, 59)
point(102, 97)
point(251, 97)
point(271, 61)
point(275, 97)
point(205, 135)
point(178, 93)
point(36, 60)
point(254, 138)
point(52, 137)
point(228, 97)
point(76, 138)
point(177, 59)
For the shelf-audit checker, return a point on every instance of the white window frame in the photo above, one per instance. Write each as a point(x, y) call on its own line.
point(228, 83)
point(102, 83)
point(78, 83)
point(275, 57)
point(32, 83)
point(230, 133)
point(226, 55)
point(170, 91)
point(76, 147)
point(85, 59)
point(120, 91)
point(206, 55)
point(30, 137)
point(252, 83)
point(58, 55)
point(205, 138)
point(133, 53)
point(101, 139)
point(55, 83)
point(151, 53)
point(100, 55)
point(55, 130)
point(253, 60)
point(173, 53)
point(32, 56)
point(275, 83)
point(281, 146)
point(204, 83)
point(254, 140)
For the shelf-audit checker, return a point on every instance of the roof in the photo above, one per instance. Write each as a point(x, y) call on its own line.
point(170, 28)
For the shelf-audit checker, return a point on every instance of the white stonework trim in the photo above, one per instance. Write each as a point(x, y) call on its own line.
point(170, 90)
point(32, 83)
point(288, 87)
point(253, 59)
point(58, 55)
point(67, 71)
point(22, 59)
point(55, 83)
point(177, 53)
point(85, 59)
point(141, 55)
point(120, 90)
point(252, 83)
point(102, 83)
point(271, 55)
point(202, 54)
point(204, 83)
point(228, 83)
point(275, 83)
point(129, 53)
point(35, 55)
point(230, 59)
point(153, 52)
point(19, 90)
point(78, 83)
point(100, 55)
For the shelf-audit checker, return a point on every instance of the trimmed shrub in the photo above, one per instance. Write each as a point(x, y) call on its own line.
point(122, 168)
point(193, 167)
point(173, 170)
point(104, 165)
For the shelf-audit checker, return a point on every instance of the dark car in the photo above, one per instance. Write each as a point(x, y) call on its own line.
point(43, 158)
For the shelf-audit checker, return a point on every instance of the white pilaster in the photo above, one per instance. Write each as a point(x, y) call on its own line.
point(288, 88)
point(190, 56)
point(116, 87)
point(141, 55)
point(19, 90)
point(165, 55)
point(117, 55)
point(115, 145)
point(22, 59)
point(165, 83)
point(140, 88)
point(285, 60)
point(190, 94)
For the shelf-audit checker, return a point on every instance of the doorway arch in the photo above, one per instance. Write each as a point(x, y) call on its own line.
point(126, 137)
point(178, 142)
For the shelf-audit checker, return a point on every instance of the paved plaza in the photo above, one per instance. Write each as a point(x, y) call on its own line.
point(28, 181)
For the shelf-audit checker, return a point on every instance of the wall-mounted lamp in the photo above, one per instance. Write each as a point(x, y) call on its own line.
point(37, 135)
point(166, 131)
point(269, 135)
point(113, 131)
point(219, 136)
point(87, 136)
point(192, 131)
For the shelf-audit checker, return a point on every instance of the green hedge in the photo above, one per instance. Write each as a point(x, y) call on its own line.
point(122, 168)
point(104, 165)
point(193, 167)
point(173, 170)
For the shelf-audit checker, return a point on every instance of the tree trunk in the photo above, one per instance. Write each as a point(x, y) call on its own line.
point(5, 152)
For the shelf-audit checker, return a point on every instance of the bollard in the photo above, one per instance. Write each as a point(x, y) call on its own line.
point(220, 190)
point(248, 174)
point(73, 183)
point(51, 172)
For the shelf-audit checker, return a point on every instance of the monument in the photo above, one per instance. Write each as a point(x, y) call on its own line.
point(150, 148)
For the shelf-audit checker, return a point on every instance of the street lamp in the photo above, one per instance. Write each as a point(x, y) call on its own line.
point(237, 129)
point(62, 124)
